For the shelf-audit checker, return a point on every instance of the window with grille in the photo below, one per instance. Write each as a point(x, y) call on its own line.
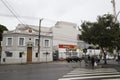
point(9, 41)
point(21, 41)
point(8, 54)
point(47, 43)
point(36, 42)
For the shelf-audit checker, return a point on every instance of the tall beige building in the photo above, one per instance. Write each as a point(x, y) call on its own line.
point(65, 36)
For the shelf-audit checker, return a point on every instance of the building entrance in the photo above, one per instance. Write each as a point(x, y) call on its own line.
point(29, 54)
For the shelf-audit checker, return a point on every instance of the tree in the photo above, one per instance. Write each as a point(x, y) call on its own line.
point(2, 28)
point(104, 32)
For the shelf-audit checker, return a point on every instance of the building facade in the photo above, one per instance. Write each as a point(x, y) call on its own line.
point(57, 42)
point(21, 45)
point(65, 39)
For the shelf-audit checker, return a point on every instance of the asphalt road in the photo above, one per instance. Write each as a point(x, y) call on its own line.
point(42, 71)
point(53, 71)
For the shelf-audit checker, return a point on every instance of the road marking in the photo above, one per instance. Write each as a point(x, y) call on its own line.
point(110, 70)
point(111, 79)
point(90, 77)
point(80, 74)
point(92, 74)
point(100, 69)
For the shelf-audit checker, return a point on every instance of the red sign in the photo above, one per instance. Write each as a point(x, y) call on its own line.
point(66, 46)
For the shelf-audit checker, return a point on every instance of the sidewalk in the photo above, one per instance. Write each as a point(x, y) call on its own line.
point(111, 64)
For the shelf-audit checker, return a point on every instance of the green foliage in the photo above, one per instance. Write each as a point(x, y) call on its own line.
point(104, 32)
point(2, 28)
point(92, 47)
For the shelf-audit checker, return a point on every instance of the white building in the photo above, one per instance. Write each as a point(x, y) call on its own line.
point(92, 52)
point(21, 45)
point(65, 39)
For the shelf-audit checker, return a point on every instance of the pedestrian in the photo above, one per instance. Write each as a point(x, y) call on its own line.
point(92, 62)
point(89, 59)
point(86, 62)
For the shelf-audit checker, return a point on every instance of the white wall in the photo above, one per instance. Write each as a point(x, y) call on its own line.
point(62, 53)
point(93, 51)
point(13, 59)
point(29, 38)
point(16, 59)
point(46, 58)
point(65, 33)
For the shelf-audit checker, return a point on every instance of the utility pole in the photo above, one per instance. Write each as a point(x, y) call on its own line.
point(114, 8)
point(39, 39)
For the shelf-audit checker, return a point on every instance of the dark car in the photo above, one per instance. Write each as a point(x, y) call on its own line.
point(73, 59)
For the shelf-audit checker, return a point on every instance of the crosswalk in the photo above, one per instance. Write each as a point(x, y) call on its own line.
point(92, 74)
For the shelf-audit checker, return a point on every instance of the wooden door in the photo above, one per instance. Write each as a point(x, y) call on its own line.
point(29, 54)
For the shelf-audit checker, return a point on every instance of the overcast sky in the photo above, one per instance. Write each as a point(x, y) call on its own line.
point(73, 11)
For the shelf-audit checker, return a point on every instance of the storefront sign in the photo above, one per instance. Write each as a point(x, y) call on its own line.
point(66, 46)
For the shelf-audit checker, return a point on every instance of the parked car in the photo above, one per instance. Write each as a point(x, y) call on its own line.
point(73, 59)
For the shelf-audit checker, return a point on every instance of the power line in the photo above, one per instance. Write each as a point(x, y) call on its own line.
point(11, 7)
point(12, 11)
point(19, 16)
point(28, 17)
point(25, 17)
